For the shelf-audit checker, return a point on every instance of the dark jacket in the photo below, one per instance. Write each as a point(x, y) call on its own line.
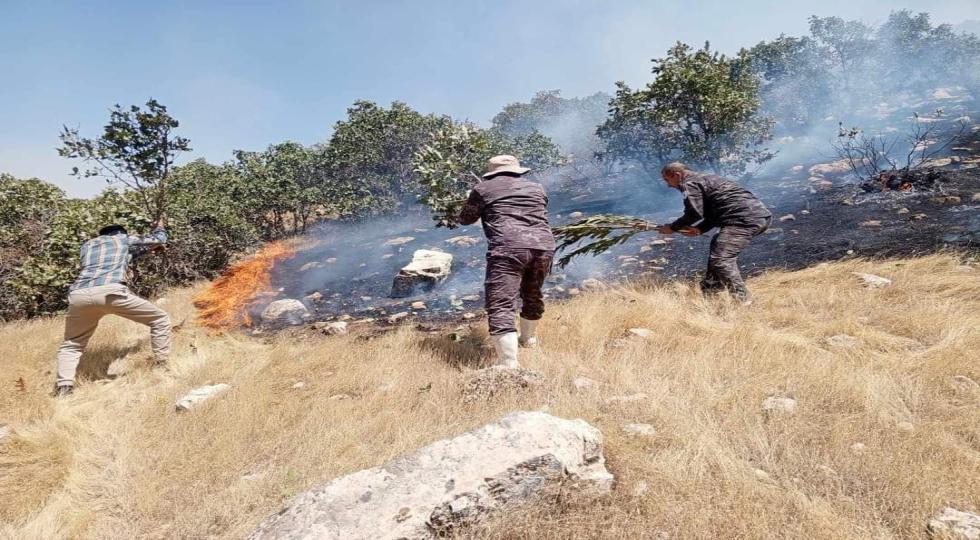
point(716, 201)
point(514, 213)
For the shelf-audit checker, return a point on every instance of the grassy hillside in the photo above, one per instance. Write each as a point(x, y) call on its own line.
point(116, 461)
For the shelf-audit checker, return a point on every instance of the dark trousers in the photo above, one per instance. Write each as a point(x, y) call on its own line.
point(513, 274)
point(723, 270)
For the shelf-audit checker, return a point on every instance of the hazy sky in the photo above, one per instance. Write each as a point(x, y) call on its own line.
point(247, 74)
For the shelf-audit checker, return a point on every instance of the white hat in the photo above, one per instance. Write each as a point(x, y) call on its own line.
point(502, 164)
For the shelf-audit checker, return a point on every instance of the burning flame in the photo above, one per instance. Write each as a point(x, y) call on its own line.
point(224, 304)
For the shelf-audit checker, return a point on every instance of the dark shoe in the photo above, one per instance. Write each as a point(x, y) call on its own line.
point(63, 391)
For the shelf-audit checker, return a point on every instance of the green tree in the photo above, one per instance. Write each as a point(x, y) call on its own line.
point(633, 132)
point(27, 209)
point(373, 148)
point(796, 86)
point(848, 45)
point(136, 149)
point(702, 107)
point(288, 186)
point(455, 157)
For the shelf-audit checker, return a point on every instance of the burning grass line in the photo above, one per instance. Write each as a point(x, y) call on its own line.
point(223, 306)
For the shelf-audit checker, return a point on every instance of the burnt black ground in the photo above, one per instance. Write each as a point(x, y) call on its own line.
point(834, 219)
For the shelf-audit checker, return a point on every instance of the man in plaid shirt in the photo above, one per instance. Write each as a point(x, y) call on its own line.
point(101, 290)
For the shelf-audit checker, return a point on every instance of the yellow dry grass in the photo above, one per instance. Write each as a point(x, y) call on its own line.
point(116, 461)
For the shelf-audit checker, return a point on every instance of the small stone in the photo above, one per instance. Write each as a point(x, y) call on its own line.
point(975, 197)
point(788, 217)
point(574, 292)
point(418, 305)
point(871, 223)
point(640, 332)
point(919, 217)
point(300, 385)
point(779, 404)
point(469, 315)
point(585, 383)
point(955, 524)
point(872, 281)
point(335, 328)
point(200, 395)
point(858, 448)
point(310, 266)
point(5, 431)
point(576, 215)
point(659, 242)
point(805, 212)
point(847, 202)
point(903, 210)
point(843, 341)
point(761, 474)
point(463, 241)
point(392, 319)
point(796, 169)
point(644, 249)
point(331, 260)
point(645, 430)
point(315, 297)
point(340, 397)
point(632, 398)
point(471, 298)
point(641, 488)
point(400, 241)
point(593, 284)
point(905, 426)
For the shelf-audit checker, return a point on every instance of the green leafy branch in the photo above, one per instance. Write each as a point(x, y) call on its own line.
point(607, 230)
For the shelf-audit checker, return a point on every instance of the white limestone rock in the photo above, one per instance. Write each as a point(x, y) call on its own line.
point(955, 524)
point(779, 404)
point(288, 310)
point(427, 269)
point(199, 395)
point(441, 488)
point(872, 281)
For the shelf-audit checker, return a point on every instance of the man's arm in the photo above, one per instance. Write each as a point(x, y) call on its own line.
point(472, 210)
point(156, 238)
point(690, 217)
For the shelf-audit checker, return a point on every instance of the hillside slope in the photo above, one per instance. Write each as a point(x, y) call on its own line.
point(116, 461)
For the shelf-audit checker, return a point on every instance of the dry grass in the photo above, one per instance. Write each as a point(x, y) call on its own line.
point(116, 461)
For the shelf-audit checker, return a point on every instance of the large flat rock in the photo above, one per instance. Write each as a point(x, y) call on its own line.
point(521, 458)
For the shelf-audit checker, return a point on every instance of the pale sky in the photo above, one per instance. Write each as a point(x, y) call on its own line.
point(243, 75)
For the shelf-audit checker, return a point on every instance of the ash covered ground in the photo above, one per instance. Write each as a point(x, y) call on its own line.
point(821, 212)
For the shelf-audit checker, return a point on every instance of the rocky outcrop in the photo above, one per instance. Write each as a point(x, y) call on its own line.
point(522, 458)
point(427, 269)
point(287, 310)
point(953, 523)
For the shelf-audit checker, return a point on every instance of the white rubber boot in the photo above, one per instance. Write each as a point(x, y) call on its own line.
point(528, 329)
point(506, 347)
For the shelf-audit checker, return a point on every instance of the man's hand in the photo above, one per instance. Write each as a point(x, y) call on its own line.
point(664, 229)
point(690, 231)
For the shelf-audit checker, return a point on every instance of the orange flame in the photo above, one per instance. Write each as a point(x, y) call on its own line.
point(224, 304)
